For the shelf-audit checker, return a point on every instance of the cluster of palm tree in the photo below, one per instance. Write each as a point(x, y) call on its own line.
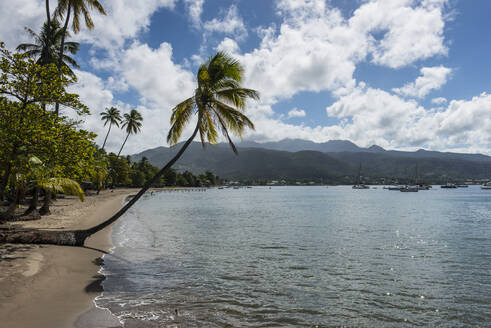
point(50, 45)
point(131, 123)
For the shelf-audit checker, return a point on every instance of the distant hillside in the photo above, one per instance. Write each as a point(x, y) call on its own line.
point(294, 145)
point(338, 165)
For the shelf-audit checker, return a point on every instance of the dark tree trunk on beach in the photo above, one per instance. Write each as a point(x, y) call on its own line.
point(77, 237)
point(9, 213)
point(34, 202)
point(44, 210)
point(5, 181)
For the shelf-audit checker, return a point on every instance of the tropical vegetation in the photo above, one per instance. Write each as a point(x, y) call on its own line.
point(43, 153)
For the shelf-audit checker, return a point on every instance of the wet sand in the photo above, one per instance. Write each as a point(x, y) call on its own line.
point(54, 286)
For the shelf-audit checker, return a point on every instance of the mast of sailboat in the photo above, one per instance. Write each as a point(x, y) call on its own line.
point(359, 175)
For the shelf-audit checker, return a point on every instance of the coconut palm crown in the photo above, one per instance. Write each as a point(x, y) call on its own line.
point(111, 116)
point(78, 8)
point(132, 124)
point(46, 46)
point(219, 101)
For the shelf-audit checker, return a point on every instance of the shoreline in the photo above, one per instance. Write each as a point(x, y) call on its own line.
point(56, 286)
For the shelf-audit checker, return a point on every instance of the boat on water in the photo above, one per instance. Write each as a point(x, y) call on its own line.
point(462, 186)
point(394, 188)
point(486, 186)
point(449, 186)
point(409, 189)
point(423, 187)
point(359, 184)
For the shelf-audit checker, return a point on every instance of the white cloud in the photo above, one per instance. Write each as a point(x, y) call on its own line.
point(296, 113)
point(432, 78)
point(316, 48)
point(155, 76)
point(409, 30)
point(439, 101)
point(231, 24)
point(15, 15)
point(125, 19)
point(228, 45)
point(195, 8)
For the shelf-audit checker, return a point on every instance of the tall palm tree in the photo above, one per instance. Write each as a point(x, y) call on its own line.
point(218, 102)
point(110, 116)
point(46, 46)
point(79, 8)
point(132, 123)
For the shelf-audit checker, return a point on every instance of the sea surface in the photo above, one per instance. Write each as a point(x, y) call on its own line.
point(303, 257)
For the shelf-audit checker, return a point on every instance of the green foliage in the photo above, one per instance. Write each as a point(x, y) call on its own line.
point(29, 83)
point(136, 174)
point(27, 130)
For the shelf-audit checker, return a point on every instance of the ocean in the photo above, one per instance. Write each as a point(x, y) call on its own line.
point(303, 257)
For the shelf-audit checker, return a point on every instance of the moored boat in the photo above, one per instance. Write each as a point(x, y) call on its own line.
point(448, 186)
point(486, 186)
point(393, 188)
point(409, 189)
point(360, 186)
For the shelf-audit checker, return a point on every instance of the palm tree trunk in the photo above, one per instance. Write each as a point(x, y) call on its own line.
point(77, 237)
point(34, 202)
point(5, 180)
point(44, 210)
point(123, 145)
point(107, 135)
point(48, 15)
point(60, 60)
point(9, 213)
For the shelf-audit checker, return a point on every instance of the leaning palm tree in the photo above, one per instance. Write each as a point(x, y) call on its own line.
point(111, 116)
point(78, 8)
point(218, 104)
point(47, 44)
point(132, 124)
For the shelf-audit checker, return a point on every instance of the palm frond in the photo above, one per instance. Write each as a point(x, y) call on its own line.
point(181, 114)
point(237, 96)
point(233, 119)
point(63, 185)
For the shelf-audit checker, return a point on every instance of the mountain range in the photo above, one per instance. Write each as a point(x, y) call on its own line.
point(335, 161)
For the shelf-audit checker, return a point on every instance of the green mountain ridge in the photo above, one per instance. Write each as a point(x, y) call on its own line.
point(261, 164)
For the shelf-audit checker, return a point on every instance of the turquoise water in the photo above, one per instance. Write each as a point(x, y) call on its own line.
point(303, 257)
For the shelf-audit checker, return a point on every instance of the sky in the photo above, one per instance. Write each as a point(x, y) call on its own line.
point(401, 74)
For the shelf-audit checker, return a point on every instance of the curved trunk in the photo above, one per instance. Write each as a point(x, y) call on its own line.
point(107, 135)
point(77, 237)
point(60, 59)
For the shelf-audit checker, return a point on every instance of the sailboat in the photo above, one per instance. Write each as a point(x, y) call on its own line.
point(412, 188)
point(360, 185)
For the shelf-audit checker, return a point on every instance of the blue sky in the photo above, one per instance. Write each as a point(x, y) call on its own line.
point(403, 74)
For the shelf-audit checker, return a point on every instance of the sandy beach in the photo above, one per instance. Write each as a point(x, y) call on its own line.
point(54, 286)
